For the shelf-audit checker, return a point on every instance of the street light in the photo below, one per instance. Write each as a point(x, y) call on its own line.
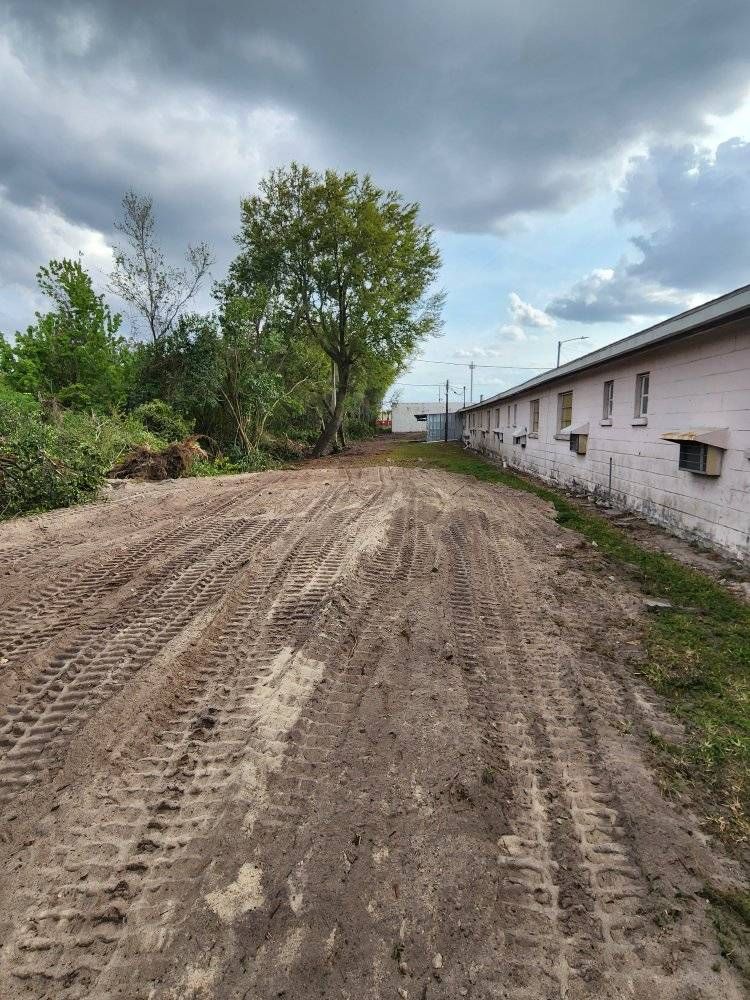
point(568, 341)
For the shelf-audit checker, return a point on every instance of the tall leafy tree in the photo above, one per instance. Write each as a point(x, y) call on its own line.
point(350, 265)
point(73, 353)
point(158, 291)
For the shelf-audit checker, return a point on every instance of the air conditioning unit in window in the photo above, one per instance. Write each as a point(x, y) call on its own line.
point(579, 439)
point(579, 443)
point(701, 458)
point(701, 449)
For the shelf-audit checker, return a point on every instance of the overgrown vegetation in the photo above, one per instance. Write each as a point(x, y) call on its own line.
point(327, 299)
point(57, 457)
point(698, 659)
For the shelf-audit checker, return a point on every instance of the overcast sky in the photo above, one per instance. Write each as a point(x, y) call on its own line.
point(586, 164)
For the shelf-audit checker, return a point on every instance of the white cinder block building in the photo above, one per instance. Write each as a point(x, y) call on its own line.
point(658, 421)
point(404, 415)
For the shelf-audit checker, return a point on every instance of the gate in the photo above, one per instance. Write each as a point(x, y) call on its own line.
point(436, 427)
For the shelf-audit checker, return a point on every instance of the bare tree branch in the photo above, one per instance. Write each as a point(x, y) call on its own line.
point(142, 277)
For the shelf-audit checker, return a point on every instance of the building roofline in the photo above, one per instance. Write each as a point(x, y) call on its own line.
point(710, 314)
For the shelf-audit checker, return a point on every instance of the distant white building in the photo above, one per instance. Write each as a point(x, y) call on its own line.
point(404, 415)
point(658, 421)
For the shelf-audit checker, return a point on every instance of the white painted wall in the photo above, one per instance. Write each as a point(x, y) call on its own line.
point(700, 381)
point(403, 417)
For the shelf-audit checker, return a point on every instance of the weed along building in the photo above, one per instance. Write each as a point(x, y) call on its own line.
point(658, 421)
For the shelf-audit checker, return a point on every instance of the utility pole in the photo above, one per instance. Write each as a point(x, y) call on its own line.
point(472, 366)
point(568, 341)
point(446, 410)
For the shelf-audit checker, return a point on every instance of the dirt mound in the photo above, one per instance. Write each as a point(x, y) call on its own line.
point(170, 463)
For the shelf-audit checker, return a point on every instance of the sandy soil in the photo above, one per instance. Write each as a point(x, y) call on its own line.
point(340, 733)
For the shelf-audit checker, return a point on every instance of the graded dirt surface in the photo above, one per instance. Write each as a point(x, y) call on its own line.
point(346, 732)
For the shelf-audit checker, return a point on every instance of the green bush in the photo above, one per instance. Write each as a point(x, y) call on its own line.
point(357, 428)
point(162, 420)
point(34, 473)
point(46, 463)
point(230, 465)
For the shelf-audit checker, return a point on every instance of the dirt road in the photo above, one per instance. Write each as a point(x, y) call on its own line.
point(342, 733)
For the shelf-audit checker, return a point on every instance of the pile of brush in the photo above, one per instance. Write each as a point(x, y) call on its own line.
point(171, 462)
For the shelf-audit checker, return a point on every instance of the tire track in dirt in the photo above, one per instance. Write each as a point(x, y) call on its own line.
point(284, 776)
point(530, 907)
point(59, 604)
point(108, 653)
point(599, 886)
point(171, 821)
point(353, 754)
point(104, 658)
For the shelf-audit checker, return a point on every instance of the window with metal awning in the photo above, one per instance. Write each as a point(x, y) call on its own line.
point(701, 449)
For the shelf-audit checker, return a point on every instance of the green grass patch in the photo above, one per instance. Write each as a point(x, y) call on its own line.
point(698, 660)
point(730, 912)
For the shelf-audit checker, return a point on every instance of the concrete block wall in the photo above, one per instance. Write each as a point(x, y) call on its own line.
point(403, 415)
point(699, 381)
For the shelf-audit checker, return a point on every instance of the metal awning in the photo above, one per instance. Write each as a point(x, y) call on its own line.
point(717, 437)
point(581, 429)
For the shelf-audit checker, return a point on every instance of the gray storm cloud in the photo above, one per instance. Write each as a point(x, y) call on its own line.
point(484, 112)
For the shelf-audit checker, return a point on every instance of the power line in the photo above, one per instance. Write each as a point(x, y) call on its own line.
point(465, 364)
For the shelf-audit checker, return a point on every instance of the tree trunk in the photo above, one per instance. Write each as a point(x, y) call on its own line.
point(330, 431)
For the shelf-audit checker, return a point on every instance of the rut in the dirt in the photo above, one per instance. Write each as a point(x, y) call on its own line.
point(332, 734)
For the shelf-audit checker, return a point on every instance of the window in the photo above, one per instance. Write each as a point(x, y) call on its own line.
point(641, 394)
point(564, 410)
point(508, 415)
point(515, 414)
point(609, 396)
point(534, 416)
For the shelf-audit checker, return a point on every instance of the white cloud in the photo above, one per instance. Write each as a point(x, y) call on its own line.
point(524, 314)
point(692, 206)
point(514, 333)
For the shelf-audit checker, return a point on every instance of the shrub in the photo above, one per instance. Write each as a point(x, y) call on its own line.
point(356, 428)
point(56, 462)
point(230, 465)
point(35, 472)
point(162, 420)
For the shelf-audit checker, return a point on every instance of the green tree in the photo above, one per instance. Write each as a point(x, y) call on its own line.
point(252, 367)
point(350, 265)
point(72, 354)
